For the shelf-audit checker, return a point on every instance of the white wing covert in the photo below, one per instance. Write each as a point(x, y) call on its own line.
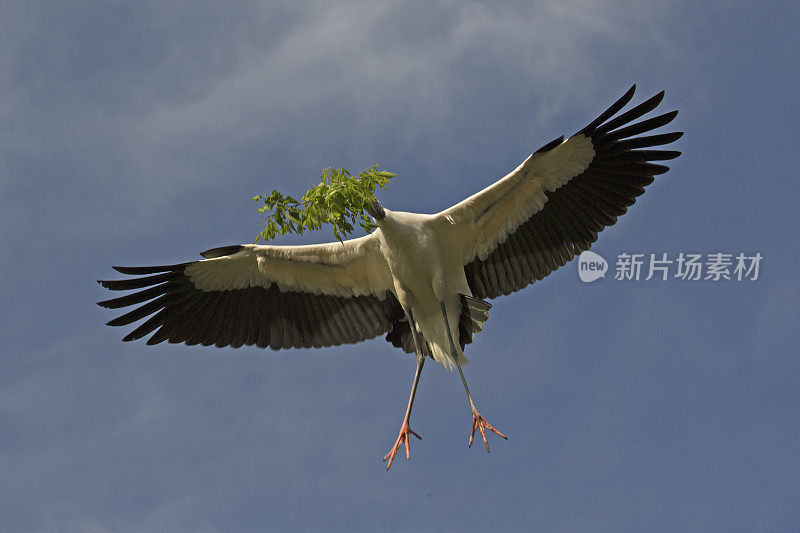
point(502, 207)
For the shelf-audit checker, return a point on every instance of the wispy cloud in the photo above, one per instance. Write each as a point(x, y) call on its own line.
point(155, 97)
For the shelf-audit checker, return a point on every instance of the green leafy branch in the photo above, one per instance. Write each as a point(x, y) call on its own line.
point(338, 200)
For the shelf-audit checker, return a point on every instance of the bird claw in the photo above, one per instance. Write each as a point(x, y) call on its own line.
point(403, 438)
point(478, 422)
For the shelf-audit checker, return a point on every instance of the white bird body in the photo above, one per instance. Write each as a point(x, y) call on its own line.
point(420, 279)
point(424, 261)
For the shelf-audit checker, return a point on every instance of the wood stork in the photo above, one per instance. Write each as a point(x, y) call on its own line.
point(421, 279)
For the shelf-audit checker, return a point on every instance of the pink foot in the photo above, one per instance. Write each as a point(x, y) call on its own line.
point(403, 438)
point(478, 422)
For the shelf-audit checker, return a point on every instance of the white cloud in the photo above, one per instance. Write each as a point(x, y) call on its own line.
point(184, 96)
point(346, 79)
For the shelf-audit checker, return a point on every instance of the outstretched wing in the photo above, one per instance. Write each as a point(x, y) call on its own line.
point(552, 206)
point(276, 296)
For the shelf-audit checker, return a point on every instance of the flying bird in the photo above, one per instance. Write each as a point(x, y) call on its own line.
point(420, 279)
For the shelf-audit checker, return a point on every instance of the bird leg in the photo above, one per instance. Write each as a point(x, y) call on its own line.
point(478, 422)
point(405, 431)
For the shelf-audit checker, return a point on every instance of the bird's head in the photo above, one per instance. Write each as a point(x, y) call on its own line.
point(375, 209)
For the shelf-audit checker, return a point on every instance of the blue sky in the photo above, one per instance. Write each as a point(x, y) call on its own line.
point(136, 133)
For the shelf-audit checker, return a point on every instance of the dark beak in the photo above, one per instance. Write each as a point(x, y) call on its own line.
point(375, 209)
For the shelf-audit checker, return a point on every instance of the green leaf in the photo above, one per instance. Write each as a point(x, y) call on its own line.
point(337, 200)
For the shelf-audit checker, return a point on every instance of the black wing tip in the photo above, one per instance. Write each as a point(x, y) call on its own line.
point(134, 270)
point(141, 270)
point(627, 97)
point(669, 138)
point(658, 169)
point(658, 98)
point(666, 155)
point(549, 146)
point(221, 251)
point(621, 102)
